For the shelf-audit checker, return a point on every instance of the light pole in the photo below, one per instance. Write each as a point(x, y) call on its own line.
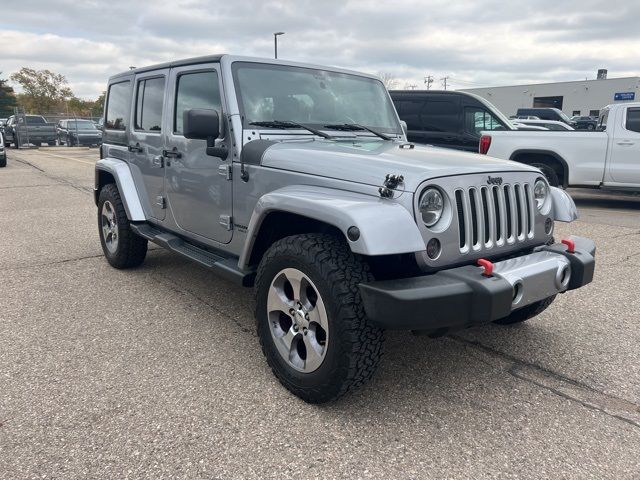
point(275, 42)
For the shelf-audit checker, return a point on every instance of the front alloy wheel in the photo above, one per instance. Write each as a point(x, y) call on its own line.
point(297, 320)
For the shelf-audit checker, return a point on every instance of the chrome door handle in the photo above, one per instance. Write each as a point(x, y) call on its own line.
point(158, 161)
point(626, 142)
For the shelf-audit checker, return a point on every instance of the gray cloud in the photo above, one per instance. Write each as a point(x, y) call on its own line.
point(482, 42)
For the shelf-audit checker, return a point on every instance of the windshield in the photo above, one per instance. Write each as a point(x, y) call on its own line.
point(81, 125)
point(563, 115)
point(268, 93)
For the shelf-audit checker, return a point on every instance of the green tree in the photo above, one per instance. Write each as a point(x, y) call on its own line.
point(42, 90)
point(98, 105)
point(7, 99)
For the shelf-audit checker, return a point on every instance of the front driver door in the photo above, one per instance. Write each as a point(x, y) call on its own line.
point(198, 186)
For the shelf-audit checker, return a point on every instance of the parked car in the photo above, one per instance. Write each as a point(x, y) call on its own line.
point(523, 117)
point(3, 152)
point(545, 124)
point(604, 159)
point(585, 123)
point(447, 119)
point(2, 122)
point(36, 131)
point(78, 132)
point(300, 182)
point(545, 114)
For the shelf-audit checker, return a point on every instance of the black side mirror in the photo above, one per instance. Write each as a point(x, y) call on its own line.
point(201, 124)
point(204, 124)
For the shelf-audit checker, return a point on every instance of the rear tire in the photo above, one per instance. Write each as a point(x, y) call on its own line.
point(347, 347)
point(121, 246)
point(549, 173)
point(526, 313)
point(3, 161)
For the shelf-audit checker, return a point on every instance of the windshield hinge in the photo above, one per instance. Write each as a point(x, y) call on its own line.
point(225, 171)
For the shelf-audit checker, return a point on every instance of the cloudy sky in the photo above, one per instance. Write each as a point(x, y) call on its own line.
point(476, 43)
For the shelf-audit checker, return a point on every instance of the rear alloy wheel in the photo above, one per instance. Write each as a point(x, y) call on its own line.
point(310, 318)
point(121, 246)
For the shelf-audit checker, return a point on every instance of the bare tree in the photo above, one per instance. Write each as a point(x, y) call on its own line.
point(389, 80)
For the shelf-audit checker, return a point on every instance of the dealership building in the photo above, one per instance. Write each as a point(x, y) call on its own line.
point(584, 97)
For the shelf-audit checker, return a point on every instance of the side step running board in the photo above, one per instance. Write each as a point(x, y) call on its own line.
point(225, 266)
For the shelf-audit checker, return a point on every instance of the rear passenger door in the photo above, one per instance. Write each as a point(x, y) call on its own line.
point(198, 184)
point(146, 141)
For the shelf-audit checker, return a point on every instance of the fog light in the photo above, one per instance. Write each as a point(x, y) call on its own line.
point(548, 226)
point(433, 248)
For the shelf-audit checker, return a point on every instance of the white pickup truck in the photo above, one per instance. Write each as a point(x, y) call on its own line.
point(608, 158)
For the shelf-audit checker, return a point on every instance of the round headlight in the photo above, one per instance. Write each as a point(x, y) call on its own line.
point(540, 193)
point(431, 206)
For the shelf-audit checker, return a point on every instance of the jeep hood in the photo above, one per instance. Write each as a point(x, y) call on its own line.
point(366, 161)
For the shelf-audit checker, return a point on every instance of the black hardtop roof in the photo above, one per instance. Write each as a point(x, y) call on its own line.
point(176, 63)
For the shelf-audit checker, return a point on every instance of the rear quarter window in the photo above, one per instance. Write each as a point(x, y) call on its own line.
point(118, 106)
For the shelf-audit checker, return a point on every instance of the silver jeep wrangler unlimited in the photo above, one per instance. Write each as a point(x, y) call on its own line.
point(298, 180)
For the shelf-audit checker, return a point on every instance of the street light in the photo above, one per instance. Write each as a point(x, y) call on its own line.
point(275, 42)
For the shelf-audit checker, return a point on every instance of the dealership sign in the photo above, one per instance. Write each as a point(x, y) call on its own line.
point(624, 96)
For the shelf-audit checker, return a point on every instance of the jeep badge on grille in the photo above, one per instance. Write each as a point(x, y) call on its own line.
point(494, 180)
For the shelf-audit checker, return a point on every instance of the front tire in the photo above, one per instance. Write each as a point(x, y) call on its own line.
point(121, 246)
point(526, 313)
point(310, 319)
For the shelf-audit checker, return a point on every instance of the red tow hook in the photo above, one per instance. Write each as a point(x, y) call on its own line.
point(571, 245)
point(487, 265)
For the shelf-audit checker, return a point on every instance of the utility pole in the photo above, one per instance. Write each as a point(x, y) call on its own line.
point(428, 80)
point(444, 81)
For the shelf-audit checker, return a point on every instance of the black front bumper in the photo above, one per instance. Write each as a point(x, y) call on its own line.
point(459, 297)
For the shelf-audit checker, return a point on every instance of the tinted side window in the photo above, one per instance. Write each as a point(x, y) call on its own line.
point(149, 101)
point(440, 116)
point(196, 90)
point(117, 106)
point(633, 119)
point(411, 113)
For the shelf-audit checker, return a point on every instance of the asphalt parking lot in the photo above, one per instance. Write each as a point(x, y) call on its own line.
point(156, 372)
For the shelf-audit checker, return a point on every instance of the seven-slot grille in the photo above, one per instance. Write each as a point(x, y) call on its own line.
point(492, 216)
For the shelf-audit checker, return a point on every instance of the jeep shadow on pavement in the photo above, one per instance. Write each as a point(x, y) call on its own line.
point(297, 180)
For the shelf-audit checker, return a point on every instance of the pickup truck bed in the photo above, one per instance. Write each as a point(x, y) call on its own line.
point(606, 158)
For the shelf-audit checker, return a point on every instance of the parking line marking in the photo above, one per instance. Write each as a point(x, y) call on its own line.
point(69, 158)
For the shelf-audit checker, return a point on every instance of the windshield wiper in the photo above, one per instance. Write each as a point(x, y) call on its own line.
point(352, 127)
point(288, 124)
